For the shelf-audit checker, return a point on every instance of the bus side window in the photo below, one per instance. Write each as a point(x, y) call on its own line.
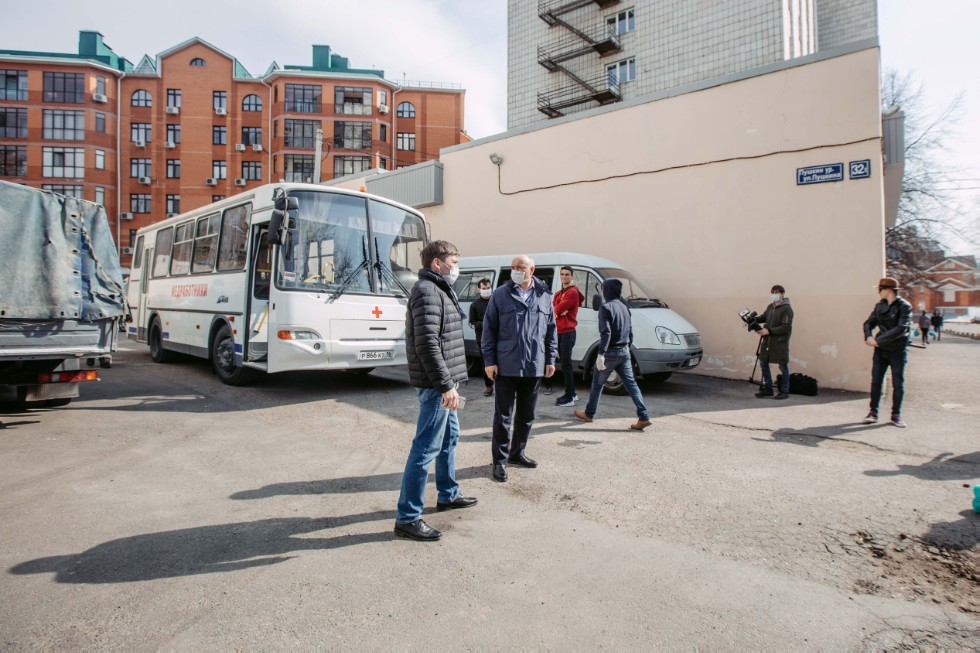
point(234, 235)
point(161, 252)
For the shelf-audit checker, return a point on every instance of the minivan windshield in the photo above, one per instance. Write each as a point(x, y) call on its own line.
point(633, 293)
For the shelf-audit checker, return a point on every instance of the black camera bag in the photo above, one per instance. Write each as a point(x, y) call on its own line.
point(800, 384)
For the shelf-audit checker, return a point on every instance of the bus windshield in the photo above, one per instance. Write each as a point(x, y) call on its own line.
point(635, 295)
point(330, 249)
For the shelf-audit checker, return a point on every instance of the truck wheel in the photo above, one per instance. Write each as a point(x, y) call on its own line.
point(223, 359)
point(157, 352)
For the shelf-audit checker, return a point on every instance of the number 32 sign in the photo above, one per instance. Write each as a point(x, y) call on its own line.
point(860, 169)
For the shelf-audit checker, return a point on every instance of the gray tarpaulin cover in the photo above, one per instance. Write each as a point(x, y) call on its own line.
point(57, 258)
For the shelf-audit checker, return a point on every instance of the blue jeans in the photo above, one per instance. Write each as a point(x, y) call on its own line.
point(435, 438)
point(618, 361)
point(767, 377)
point(565, 343)
point(880, 363)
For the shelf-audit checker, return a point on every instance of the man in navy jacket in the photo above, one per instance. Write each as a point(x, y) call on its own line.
point(519, 348)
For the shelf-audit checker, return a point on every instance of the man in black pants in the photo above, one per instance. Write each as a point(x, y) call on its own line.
point(478, 310)
point(519, 349)
point(893, 318)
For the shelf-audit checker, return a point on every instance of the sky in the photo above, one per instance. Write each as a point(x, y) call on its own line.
point(465, 42)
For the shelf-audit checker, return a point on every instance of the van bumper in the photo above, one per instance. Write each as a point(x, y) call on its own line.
point(667, 360)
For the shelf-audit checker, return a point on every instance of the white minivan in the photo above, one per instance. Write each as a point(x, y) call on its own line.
point(663, 341)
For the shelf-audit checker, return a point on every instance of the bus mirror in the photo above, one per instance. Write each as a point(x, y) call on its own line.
point(596, 301)
point(283, 218)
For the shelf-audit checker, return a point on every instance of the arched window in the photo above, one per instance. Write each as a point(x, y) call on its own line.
point(406, 110)
point(197, 61)
point(142, 98)
point(251, 103)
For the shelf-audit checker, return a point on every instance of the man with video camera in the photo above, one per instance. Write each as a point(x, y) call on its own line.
point(774, 343)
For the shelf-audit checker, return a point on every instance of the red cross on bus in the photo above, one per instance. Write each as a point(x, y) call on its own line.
point(377, 312)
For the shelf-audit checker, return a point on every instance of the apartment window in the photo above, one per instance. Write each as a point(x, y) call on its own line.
point(69, 191)
point(251, 103)
point(100, 122)
point(220, 99)
point(13, 123)
point(297, 167)
point(252, 135)
point(217, 198)
point(622, 22)
point(174, 97)
point(13, 161)
point(173, 168)
point(64, 87)
point(352, 135)
point(383, 133)
point(140, 131)
point(275, 93)
point(139, 168)
point(303, 98)
point(383, 164)
point(348, 165)
point(406, 110)
point(406, 141)
point(100, 159)
point(275, 129)
point(173, 133)
point(621, 72)
point(275, 164)
point(13, 85)
point(219, 136)
point(300, 133)
point(100, 195)
point(173, 203)
point(219, 169)
point(353, 100)
point(64, 125)
point(197, 61)
point(252, 170)
point(100, 84)
point(63, 162)
point(139, 202)
point(142, 98)
point(383, 97)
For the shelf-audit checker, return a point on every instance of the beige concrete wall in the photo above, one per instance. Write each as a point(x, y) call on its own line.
point(705, 208)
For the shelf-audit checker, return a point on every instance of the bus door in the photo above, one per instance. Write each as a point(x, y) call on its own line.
point(140, 318)
point(259, 286)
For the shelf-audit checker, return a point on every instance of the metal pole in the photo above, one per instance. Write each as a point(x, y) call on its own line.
point(316, 156)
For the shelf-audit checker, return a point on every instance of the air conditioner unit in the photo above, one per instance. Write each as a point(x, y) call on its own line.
point(240, 147)
point(125, 216)
point(100, 98)
point(239, 182)
point(257, 147)
point(173, 111)
point(383, 108)
point(170, 145)
point(220, 111)
point(211, 181)
point(139, 143)
point(146, 181)
point(127, 251)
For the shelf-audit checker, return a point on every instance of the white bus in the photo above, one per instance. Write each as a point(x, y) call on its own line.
point(285, 277)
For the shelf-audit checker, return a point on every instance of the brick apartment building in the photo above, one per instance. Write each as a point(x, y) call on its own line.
point(191, 125)
point(952, 285)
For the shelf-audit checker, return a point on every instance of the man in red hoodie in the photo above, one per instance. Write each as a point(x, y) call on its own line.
point(566, 303)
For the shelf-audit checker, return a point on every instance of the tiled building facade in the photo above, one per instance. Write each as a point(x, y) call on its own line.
point(566, 56)
point(191, 125)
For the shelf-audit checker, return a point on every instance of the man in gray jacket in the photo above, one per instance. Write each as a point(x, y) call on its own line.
point(436, 365)
point(519, 349)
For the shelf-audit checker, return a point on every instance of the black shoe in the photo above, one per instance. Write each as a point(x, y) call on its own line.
point(522, 461)
point(417, 530)
point(488, 392)
point(456, 504)
point(765, 392)
point(781, 395)
point(500, 473)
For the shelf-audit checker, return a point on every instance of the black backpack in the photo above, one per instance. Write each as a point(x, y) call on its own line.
point(800, 384)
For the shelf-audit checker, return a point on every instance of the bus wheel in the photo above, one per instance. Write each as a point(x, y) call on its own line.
point(157, 352)
point(223, 359)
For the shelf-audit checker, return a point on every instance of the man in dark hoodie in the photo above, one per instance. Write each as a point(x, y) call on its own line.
point(436, 365)
point(615, 338)
point(774, 348)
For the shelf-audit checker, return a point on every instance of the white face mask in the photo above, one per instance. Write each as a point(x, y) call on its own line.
point(517, 276)
point(486, 292)
point(776, 296)
point(453, 275)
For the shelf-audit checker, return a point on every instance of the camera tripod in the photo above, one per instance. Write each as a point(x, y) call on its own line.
point(758, 349)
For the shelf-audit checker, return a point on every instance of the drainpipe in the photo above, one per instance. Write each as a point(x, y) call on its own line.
point(119, 169)
point(269, 132)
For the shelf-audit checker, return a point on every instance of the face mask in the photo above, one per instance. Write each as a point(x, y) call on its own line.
point(453, 275)
point(776, 297)
point(517, 276)
point(485, 293)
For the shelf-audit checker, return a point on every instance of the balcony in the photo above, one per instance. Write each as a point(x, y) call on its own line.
point(303, 106)
point(603, 90)
point(551, 12)
point(352, 109)
point(602, 40)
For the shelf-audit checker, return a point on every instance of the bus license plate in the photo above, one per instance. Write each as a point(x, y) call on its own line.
point(375, 355)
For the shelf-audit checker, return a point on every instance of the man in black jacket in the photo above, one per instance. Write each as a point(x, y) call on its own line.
point(893, 318)
point(436, 365)
point(478, 309)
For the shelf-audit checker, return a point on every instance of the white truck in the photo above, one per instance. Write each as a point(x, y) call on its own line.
point(61, 295)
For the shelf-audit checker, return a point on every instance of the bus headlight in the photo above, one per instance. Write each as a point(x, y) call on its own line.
point(667, 337)
point(297, 335)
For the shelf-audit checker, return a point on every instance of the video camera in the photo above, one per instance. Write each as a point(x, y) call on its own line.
point(751, 319)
